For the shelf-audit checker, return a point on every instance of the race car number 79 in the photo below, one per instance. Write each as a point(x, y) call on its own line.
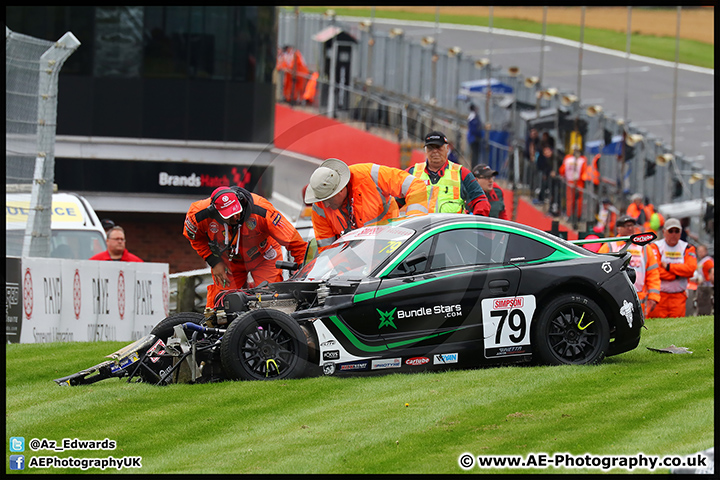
point(506, 324)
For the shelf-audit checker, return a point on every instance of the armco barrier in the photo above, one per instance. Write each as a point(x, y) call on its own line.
point(51, 300)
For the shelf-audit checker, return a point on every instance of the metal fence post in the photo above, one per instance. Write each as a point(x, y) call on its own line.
point(37, 232)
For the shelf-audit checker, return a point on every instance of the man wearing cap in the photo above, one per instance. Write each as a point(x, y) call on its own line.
point(644, 261)
point(574, 168)
point(238, 232)
point(345, 198)
point(451, 188)
point(678, 262)
point(485, 177)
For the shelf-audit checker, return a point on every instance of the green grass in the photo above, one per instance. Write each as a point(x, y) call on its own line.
point(641, 401)
point(691, 52)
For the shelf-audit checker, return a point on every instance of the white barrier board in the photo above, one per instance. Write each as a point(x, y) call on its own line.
point(84, 301)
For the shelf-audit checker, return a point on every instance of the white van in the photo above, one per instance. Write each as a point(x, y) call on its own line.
point(77, 232)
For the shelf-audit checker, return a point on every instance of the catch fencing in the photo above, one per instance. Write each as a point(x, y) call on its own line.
point(32, 68)
point(409, 88)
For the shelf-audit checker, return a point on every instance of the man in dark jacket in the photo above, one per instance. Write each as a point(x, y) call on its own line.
point(485, 176)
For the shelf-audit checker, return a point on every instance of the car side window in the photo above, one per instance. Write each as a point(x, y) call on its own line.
point(523, 249)
point(470, 246)
point(422, 249)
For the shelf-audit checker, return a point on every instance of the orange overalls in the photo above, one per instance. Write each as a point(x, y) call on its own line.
point(255, 245)
point(574, 170)
point(682, 262)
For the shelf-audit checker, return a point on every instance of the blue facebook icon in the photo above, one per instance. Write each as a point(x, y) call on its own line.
point(17, 462)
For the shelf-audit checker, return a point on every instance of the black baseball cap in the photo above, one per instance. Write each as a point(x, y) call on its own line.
point(435, 138)
point(621, 221)
point(485, 171)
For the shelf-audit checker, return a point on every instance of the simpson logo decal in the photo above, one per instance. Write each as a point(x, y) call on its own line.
point(607, 268)
point(328, 368)
point(627, 311)
point(417, 361)
point(386, 363)
point(444, 358)
point(506, 325)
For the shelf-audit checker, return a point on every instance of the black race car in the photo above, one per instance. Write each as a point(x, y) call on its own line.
point(431, 292)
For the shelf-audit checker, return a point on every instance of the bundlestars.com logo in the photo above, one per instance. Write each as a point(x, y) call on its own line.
point(387, 319)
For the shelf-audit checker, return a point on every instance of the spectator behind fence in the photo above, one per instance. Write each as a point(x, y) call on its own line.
point(451, 188)
point(485, 176)
point(116, 250)
point(606, 218)
point(475, 134)
point(636, 209)
point(643, 261)
point(573, 169)
point(678, 262)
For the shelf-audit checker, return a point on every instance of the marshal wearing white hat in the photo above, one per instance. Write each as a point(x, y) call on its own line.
point(348, 197)
point(327, 180)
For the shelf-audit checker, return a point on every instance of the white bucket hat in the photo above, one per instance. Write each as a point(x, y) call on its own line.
point(327, 180)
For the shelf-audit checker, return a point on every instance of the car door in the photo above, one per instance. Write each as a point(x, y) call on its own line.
point(440, 298)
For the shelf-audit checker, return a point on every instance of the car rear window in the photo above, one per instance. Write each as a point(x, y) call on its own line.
point(524, 249)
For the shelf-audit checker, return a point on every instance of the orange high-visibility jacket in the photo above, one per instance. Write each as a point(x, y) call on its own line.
point(371, 192)
point(638, 213)
point(592, 174)
point(263, 230)
point(574, 170)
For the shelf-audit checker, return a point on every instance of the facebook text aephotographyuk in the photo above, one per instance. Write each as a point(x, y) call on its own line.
point(85, 463)
point(567, 460)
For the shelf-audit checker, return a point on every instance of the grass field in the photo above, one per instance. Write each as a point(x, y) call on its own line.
point(692, 52)
point(641, 401)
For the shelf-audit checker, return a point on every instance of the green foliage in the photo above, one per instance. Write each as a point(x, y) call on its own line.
point(641, 401)
point(691, 52)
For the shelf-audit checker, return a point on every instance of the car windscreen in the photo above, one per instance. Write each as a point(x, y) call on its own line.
point(72, 244)
point(355, 254)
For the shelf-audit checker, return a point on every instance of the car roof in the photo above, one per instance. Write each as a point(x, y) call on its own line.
point(421, 223)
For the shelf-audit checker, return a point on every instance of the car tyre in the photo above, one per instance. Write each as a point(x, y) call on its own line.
point(571, 330)
point(264, 344)
point(150, 371)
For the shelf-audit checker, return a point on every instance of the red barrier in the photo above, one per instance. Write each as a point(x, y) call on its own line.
point(323, 137)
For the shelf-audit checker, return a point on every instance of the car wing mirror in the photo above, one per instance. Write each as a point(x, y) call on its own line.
point(284, 265)
point(408, 266)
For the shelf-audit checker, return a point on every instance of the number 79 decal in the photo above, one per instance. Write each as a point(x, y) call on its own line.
point(506, 325)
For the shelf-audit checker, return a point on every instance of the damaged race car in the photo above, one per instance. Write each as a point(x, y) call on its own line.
point(423, 293)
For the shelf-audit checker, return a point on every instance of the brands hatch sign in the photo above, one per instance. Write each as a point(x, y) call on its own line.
point(178, 178)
